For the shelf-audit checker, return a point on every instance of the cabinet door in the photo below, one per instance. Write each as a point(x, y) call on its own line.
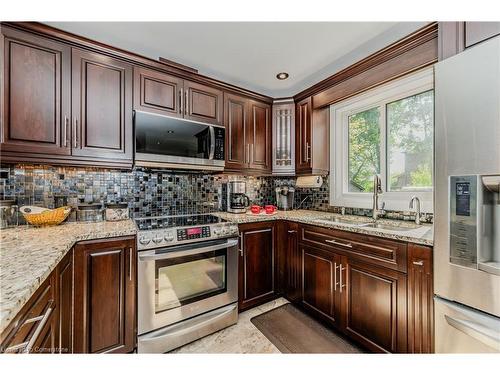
point(203, 103)
point(321, 283)
point(420, 300)
point(303, 134)
point(157, 92)
point(375, 306)
point(235, 120)
point(101, 106)
point(65, 303)
point(105, 304)
point(293, 272)
point(259, 136)
point(36, 94)
point(256, 271)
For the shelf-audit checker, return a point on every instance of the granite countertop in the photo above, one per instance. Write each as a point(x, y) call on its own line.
point(28, 255)
point(422, 235)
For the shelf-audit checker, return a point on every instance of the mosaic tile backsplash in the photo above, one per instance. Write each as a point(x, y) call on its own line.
point(152, 192)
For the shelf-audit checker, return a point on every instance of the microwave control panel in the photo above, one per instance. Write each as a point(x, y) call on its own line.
point(463, 220)
point(219, 143)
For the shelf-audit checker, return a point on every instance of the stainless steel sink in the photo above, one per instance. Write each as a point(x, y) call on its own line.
point(395, 228)
point(341, 220)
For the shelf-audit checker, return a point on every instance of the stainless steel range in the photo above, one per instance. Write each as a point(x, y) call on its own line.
point(187, 279)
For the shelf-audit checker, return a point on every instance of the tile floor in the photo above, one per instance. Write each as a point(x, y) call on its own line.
point(240, 338)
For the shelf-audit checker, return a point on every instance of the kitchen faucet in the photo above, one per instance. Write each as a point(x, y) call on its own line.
point(377, 189)
point(417, 209)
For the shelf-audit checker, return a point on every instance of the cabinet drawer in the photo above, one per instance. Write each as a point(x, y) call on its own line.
point(27, 329)
point(379, 251)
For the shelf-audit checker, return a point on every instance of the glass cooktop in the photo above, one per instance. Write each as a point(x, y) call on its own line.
point(162, 222)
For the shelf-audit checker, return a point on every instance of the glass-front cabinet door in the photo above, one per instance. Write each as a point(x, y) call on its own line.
point(284, 137)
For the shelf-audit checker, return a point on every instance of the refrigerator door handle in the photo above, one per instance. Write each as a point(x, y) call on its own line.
point(481, 333)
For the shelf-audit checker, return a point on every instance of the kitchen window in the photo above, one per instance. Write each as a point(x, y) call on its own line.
point(388, 131)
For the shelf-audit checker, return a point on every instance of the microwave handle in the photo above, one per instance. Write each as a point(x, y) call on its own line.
point(212, 143)
point(177, 254)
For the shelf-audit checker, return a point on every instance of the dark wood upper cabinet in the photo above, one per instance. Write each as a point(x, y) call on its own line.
point(235, 120)
point(36, 94)
point(420, 300)
point(375, 306)
point(101, 106)
point(203, 103)
point(105, 297)
point(256, 264)
point(248, 134)
point(157, 92)
point(259, 136)
point(321, 283)
point(311, 139)
point(303, 134)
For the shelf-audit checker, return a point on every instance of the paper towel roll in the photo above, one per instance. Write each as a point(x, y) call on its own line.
point(314, 182)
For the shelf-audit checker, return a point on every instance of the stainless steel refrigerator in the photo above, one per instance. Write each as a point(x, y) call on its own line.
point(467, 201)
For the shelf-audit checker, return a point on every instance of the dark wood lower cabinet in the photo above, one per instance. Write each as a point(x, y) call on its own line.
point(64, 274)
point(378, 292)
point(420, 300)
point(35, 328)
point(320, 283)
point(375, 308)
point(257, 264)
point(105, 297)
point(293, 271)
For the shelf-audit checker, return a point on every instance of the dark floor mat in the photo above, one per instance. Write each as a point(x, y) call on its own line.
point(292, 331)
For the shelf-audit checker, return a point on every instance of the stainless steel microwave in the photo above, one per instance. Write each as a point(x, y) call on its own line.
point(167, 142)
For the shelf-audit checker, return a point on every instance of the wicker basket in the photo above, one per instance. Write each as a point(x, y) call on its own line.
point(47, 217)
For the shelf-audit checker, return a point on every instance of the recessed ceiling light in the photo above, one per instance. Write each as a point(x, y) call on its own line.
point(282, 75)
point(170, 131)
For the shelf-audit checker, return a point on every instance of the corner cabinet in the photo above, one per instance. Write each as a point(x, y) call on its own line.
point(105, 296)
point(284, 138)
point(311, 139)
point(256, 271)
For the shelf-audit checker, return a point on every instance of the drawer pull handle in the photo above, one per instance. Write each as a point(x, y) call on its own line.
point(418, 262)
point(349, 245)
point(292, 231)
point(29, 344)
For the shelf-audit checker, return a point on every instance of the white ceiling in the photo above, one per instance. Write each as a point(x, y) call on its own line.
point(250, 54)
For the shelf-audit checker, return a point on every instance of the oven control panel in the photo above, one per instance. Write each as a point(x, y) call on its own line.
point(185, 234)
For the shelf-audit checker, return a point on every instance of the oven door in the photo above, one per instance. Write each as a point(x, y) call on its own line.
point(177, 143)
point(183, 281)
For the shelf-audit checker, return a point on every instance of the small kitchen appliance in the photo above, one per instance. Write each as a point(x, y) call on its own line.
point(285, 197)
point(237, 200)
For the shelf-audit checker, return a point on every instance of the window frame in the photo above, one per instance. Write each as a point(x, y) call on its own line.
point(380, 96)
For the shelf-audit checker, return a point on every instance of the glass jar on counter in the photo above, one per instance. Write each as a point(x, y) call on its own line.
point(8, 213)
point(116, 211)
point(90, 212)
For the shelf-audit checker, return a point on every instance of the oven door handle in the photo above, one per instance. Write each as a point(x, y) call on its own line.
point(169, 331)
point(212, 143)
point(176, 254)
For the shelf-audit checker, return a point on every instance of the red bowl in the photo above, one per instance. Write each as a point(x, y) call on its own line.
point(255, 209)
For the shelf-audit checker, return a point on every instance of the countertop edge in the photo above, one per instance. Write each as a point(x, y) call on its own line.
point(30, 291)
